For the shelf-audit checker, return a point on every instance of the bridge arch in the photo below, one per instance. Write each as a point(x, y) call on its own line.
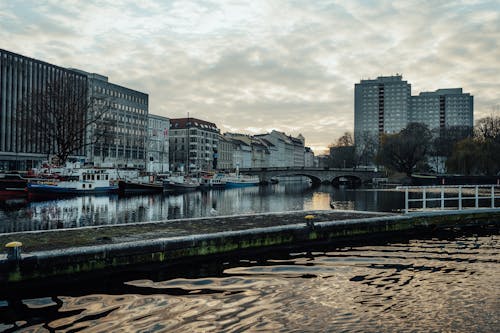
point(349, 180)
point(315, 180)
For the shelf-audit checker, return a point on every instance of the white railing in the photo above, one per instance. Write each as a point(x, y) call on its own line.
point(464, 193)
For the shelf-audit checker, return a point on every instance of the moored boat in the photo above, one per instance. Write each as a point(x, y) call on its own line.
point(182, 183)
point(137, 187)
point(13, 184)
point(212, 181)
point(238, 180)
point(86, 181)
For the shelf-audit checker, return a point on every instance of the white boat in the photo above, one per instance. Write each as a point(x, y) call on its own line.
point(80, 181)
point(208, 180)
point(237, 180)
point(182, 183)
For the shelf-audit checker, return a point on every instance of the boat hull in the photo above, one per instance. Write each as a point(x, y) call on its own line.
point(231, 184)
point(14, 186)
point(138, 188)
point(44, 189)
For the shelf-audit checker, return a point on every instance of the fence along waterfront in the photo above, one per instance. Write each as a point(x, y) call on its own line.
point(479, 192)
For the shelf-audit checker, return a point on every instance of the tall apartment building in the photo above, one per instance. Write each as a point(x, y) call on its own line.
point(21, 143)
point(128, 114)
point(443, 108)
point(381, 106)
point(193, 142)
point(158, 142)
point(385, 105)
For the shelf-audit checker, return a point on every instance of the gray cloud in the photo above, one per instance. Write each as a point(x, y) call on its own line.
point(251, 66)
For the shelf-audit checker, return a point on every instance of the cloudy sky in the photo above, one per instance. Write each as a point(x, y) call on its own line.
point(254, 66)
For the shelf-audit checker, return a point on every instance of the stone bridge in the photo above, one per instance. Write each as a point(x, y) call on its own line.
point(317, 175)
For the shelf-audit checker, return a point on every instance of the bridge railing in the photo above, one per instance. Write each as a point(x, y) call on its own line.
point(463, 196)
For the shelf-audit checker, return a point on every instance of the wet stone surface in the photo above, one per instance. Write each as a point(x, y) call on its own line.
point(67, 238)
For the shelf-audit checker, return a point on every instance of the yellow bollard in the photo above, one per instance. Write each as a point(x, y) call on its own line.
point(14, 250)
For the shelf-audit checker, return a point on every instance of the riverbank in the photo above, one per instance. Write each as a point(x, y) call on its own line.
point(48, 254)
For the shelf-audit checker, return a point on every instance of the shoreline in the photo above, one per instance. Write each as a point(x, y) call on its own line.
point(56, 253)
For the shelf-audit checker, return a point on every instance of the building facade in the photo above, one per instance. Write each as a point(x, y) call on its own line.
point(226, 148)
point(193, 143)
point(308, 157)
point(443, 108)
point(381, 106)
point(157, 144)
point(385, 105)
point(298, 150)
point(22, 145)
point(127, 113)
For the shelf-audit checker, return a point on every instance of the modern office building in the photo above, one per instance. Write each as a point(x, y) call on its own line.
point(443, 108)
point(125, 142)
point(381, 106)
point(385, 105)
point(22, 143)
point(123, 125)
point(197, 137)
point(157, 144)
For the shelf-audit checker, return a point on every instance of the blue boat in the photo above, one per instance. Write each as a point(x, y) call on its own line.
point(241, 181)
point(89, 181)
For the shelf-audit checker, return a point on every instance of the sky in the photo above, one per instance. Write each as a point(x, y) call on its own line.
point(254, 66)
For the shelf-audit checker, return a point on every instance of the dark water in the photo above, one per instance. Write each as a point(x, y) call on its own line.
point(23, 214)
point(443, 284)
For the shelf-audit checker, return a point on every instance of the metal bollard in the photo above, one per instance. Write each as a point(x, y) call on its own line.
point(13, 250)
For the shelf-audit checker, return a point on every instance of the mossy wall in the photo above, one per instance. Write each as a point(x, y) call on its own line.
point(169, 250)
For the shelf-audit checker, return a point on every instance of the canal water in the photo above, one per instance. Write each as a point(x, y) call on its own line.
point(447, 283)
point(444, 283)
point(22, 214)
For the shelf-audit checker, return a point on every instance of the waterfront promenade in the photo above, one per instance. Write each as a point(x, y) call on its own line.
point(97, 249)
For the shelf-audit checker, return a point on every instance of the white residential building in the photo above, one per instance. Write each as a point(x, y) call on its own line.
point(158, 144)
point(308, 157)
point(290, 150)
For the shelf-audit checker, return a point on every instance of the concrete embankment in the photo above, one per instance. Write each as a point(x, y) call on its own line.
point(48, 254)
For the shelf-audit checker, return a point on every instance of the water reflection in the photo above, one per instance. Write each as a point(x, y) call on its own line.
point(22, 214)
point(446, 285)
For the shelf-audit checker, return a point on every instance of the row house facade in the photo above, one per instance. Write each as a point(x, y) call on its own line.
point(289, 151)
point(193, 144)
point(158, 144)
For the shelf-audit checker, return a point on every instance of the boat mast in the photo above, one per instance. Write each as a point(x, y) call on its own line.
point(188, 125)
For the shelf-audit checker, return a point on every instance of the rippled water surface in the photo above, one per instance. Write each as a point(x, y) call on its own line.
point(420, 285)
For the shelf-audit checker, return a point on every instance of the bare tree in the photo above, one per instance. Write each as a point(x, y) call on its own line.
point(406, 150)
point(65, 119)
point(345, 140)
point(488, 129)
point(366, 148)
point(341, 154)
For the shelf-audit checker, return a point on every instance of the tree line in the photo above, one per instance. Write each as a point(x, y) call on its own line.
point(416, 148)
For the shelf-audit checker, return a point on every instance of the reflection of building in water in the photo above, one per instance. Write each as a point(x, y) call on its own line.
point(82, 211)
